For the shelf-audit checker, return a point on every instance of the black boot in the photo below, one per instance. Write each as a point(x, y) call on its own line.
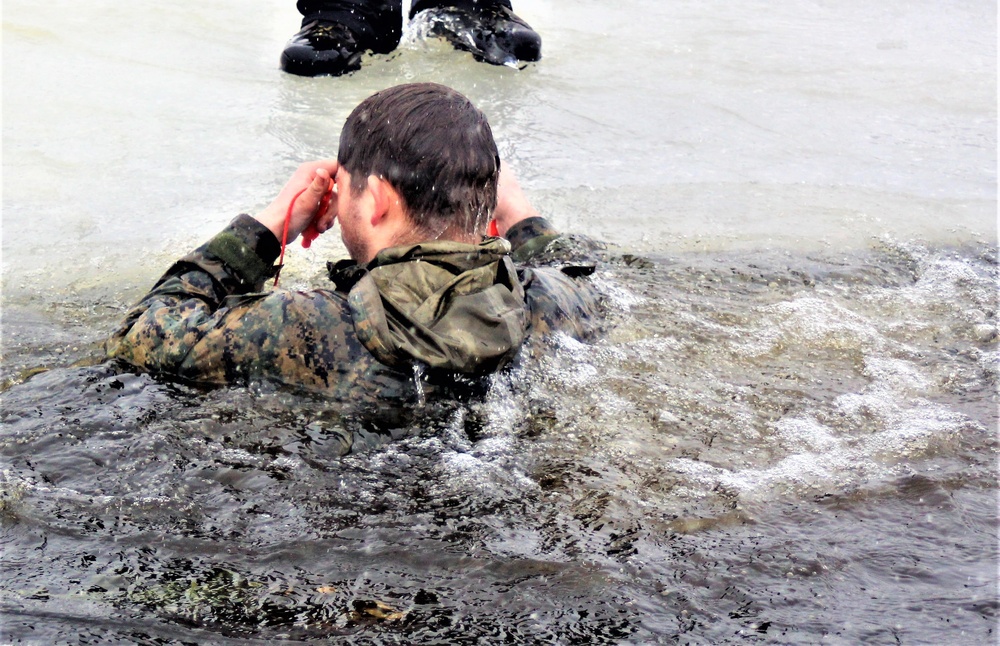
point(322, 47)
point(493, 33)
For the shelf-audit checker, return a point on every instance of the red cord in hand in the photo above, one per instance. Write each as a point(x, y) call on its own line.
point(309, 234)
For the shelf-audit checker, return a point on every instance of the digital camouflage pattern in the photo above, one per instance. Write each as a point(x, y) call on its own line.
point(446, 313)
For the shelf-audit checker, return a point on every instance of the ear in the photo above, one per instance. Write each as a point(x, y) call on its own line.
point(382, 196)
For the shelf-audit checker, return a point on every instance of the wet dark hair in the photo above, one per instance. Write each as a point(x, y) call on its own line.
point(434, 147)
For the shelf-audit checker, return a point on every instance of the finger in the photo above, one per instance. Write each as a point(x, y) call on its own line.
point(311, 199)
point(322, 181)
point(322, 175)
point(320, 185)
point(326, 188)
point(309, 169)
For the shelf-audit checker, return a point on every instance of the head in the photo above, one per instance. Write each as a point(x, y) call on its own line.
point(434, 149)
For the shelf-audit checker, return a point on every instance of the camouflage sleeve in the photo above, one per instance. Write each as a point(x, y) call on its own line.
point(529, 237)
point(160, 332)
point(535, 242)
point(558, 302)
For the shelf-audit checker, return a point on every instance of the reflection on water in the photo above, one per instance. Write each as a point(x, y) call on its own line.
point(778, 447)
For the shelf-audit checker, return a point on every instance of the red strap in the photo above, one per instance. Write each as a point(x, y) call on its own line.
point(310, 233)
point(284, 235)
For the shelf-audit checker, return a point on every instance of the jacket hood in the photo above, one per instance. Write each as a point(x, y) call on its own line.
point(448, 305)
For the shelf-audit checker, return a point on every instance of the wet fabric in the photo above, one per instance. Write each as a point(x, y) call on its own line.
point(449, 310)
point(449, 306)
point(420, 5)
point(378, 23)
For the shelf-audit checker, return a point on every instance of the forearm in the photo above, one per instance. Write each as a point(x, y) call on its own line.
point(529, 236)
point(159, 332)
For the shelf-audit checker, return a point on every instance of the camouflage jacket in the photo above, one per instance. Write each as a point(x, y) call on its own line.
point(444, 311)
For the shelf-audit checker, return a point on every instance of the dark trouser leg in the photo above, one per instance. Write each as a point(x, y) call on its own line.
point(420, 5)
point(335, 35)
point(377, 24)
point(489, 29)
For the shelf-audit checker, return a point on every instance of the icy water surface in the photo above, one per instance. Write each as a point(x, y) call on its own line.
point(786, 434)
point(792, 451)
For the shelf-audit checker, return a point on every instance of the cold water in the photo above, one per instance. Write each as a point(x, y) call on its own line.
point(785, 434)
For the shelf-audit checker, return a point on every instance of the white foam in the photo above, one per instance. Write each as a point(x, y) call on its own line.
point(990, 363)
point(896, 375)
point(945, 281)
point(882, 427)
point(616, 295)
point(464, 472)
point(810, 322)
point(805, 434)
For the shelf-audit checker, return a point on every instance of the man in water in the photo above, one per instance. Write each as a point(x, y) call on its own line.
point(427, 293)
point(335, 33)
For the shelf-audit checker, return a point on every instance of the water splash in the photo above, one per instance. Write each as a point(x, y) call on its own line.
point(418, 383)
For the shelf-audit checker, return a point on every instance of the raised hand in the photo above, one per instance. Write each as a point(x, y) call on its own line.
point(304, 203)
